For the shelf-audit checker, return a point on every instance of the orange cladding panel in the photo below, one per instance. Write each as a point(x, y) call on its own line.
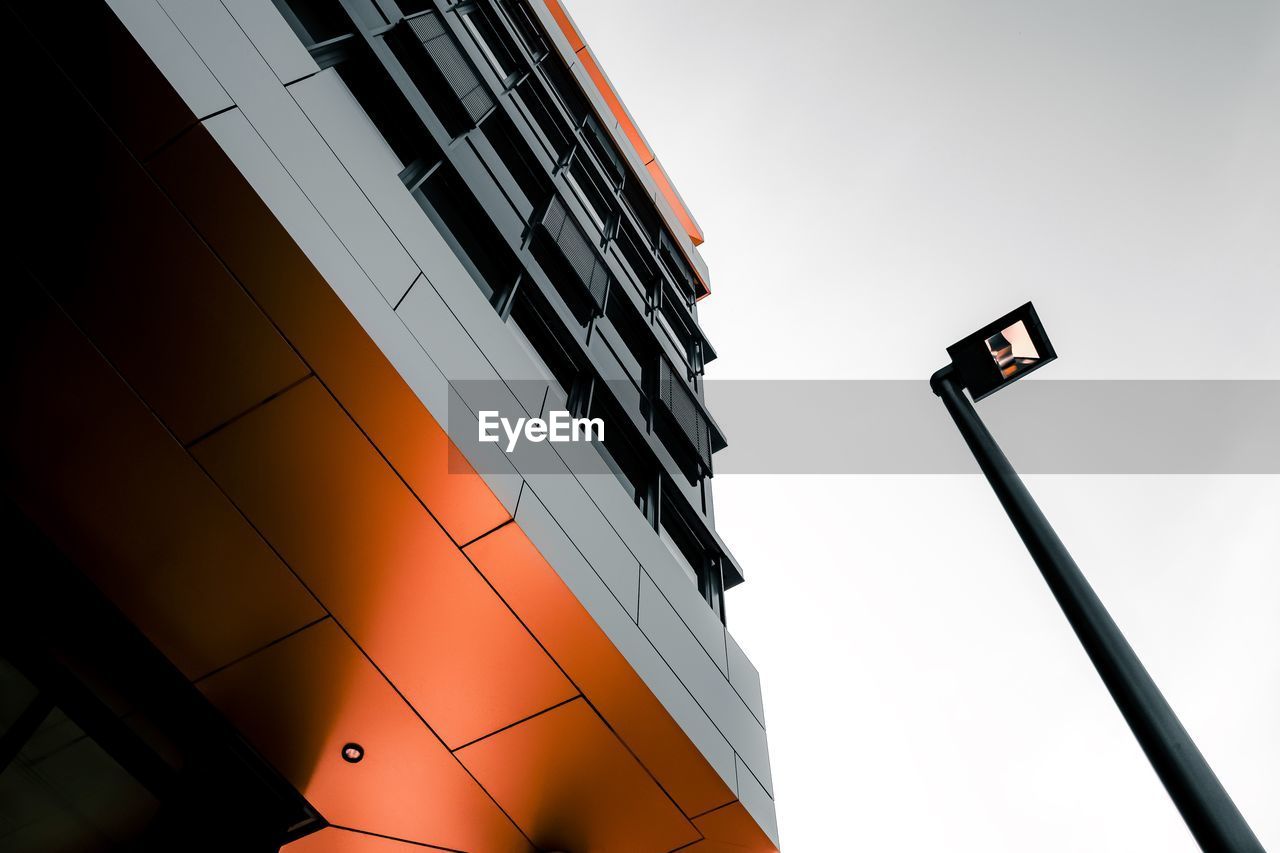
point(570, 784)
point(134, 98)
point(255, 246)
point(91, 465)
point(731, 830)
point(124, 264)
point(323, 497)
point(564, 627)
point(303, 699)
point(334, 839)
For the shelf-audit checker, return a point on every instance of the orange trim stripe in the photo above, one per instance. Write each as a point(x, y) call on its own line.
point(566, 25)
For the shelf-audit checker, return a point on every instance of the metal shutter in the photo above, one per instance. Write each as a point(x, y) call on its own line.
point(679, 402)
point(453, 65)
point(576, 249)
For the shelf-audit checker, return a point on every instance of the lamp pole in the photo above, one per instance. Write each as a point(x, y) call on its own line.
point(1212, 817)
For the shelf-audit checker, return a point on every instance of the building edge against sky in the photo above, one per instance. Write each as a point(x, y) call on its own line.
point(301, 226)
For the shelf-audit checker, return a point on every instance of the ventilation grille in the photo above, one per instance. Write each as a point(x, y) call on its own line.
point(683, 408)
point(577, 251)
point(453, 65)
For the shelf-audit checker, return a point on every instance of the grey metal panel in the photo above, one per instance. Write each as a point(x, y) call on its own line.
point(619, 523)
point(273, 37)
point(699, 264)
point(488, 192)
point(550, 539)
point(708, 684)
point(591, 532)
point(173, 55)
point(459, 358)
point(312, 233)
point(443, 338)
point(745, 678)
point(692, 608)
point(546, 532)
point(354, 139)
point(281, 122)
point(347, 129)
point(757, 801)
point(456, 355)
point(641, 539)
point(556, 400)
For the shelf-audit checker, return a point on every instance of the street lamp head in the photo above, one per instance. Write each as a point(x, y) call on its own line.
point(1001, 352)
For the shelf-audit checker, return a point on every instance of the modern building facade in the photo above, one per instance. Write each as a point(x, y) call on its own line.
point(272, 258)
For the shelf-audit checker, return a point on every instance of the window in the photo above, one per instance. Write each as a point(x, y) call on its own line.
point(630, 333)
point(527, 30)
point(470, 232)
point(497, 48)
point(701, 565)
point(583, 180)
point(315, 21)
point(603, 148)
point(684, 553)
point(387, 109)
point(535, 322)
point(712, 585)
point(566, 90)
point(533, 101)
point(641, 207)
point(674, 319)
point(514, 153)
point(535, 356)
point(677, 267)
point(637, 257)
point(636, 475)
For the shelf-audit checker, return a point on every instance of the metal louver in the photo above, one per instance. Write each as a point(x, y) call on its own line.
point(452, 65)
point(680, 404)
point(576, 249)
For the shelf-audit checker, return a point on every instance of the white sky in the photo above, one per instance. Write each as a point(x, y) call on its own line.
point(876, 180)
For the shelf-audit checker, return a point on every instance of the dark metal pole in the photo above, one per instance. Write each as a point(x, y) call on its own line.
point(1205, 805)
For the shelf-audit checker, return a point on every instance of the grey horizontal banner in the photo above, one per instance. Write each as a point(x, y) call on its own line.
point(1171, 427)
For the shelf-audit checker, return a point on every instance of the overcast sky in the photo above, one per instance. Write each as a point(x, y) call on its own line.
point(876, 179)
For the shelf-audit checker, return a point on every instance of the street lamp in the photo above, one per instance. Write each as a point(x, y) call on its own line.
point(984, 362)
